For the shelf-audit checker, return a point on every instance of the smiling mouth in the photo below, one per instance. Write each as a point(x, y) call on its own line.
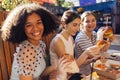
point(36, 34)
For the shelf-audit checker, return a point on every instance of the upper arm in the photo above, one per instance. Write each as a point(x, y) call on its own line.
point(59, 47)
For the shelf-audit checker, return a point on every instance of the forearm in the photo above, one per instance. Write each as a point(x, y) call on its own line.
point(81, 59)
point(48, 70)
point(87, 61)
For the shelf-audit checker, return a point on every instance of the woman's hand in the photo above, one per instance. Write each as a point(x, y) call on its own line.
point(88, 53)
point(62, 68)
point(106, 47)
point(101, 32)
point(92, 51)
point(97, 57)
point(52, 76)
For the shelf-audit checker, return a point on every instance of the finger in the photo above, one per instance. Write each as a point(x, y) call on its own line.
point(63, 63)
point(63, 60)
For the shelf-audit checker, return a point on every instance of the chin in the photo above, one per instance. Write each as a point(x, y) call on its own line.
point(37, 38)
point(73, 34)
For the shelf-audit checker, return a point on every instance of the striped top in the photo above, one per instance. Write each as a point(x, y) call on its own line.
point(82, 42)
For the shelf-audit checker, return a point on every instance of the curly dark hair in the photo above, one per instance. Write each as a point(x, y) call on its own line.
point(13, 27)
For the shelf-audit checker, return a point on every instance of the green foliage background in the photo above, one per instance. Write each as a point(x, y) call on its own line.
point(8, 5)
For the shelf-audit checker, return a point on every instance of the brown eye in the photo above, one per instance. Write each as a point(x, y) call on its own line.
point(93, 20)
point(39, 22)
point(87, 21)
point(74, 25)
point(27, 25)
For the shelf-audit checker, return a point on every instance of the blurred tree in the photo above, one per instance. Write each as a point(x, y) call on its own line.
point(67, 4)
point(10, 4)
point(62, 3)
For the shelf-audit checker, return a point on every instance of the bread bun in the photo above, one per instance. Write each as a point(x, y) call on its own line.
point(70, 57)
point(108, 33)
point(101, 43)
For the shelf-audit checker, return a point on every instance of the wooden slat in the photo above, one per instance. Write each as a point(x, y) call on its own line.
point(0, 72)
point(7, 57)
point(3, 65)
point(3, 61)
point(12, 50)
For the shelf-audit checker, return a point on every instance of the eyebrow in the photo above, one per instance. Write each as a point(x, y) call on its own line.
point(37, 20)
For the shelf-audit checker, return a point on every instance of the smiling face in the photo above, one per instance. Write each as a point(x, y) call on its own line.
point(34, 28)
point(89, 23)
point(73, 27)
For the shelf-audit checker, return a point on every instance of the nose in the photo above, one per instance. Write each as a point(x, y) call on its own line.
point(35, 27)
point(90, 23)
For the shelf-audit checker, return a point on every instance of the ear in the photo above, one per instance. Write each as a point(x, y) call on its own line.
point(63, 24)
point(81, 24)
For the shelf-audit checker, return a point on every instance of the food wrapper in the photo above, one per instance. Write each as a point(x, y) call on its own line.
point(72, 67)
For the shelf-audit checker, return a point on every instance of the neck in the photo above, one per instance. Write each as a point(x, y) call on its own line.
point(89, 34)
point(65, 34)
point(35, 43)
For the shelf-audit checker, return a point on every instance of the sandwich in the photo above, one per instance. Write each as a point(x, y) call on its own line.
point(72, 67)
point(70, 57)
point(102, 43)
point(108, 33)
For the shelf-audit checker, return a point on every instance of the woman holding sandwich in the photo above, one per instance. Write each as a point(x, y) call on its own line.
point(86, 38)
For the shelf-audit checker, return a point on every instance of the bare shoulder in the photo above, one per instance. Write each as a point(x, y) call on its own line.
point(57, 46)
point(56, 41)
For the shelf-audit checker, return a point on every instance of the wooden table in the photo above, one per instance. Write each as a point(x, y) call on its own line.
point(104, 78)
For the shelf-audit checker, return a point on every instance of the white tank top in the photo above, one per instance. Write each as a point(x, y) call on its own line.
point(69, 48)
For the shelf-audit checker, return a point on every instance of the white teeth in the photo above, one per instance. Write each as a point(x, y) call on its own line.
point(36, 33)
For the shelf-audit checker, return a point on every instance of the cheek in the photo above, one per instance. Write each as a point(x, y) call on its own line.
point(42, 28)
point(95, 24)
point(74, 29)
point(28, 30)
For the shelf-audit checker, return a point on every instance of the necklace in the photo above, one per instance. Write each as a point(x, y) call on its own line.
point(91, 38)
